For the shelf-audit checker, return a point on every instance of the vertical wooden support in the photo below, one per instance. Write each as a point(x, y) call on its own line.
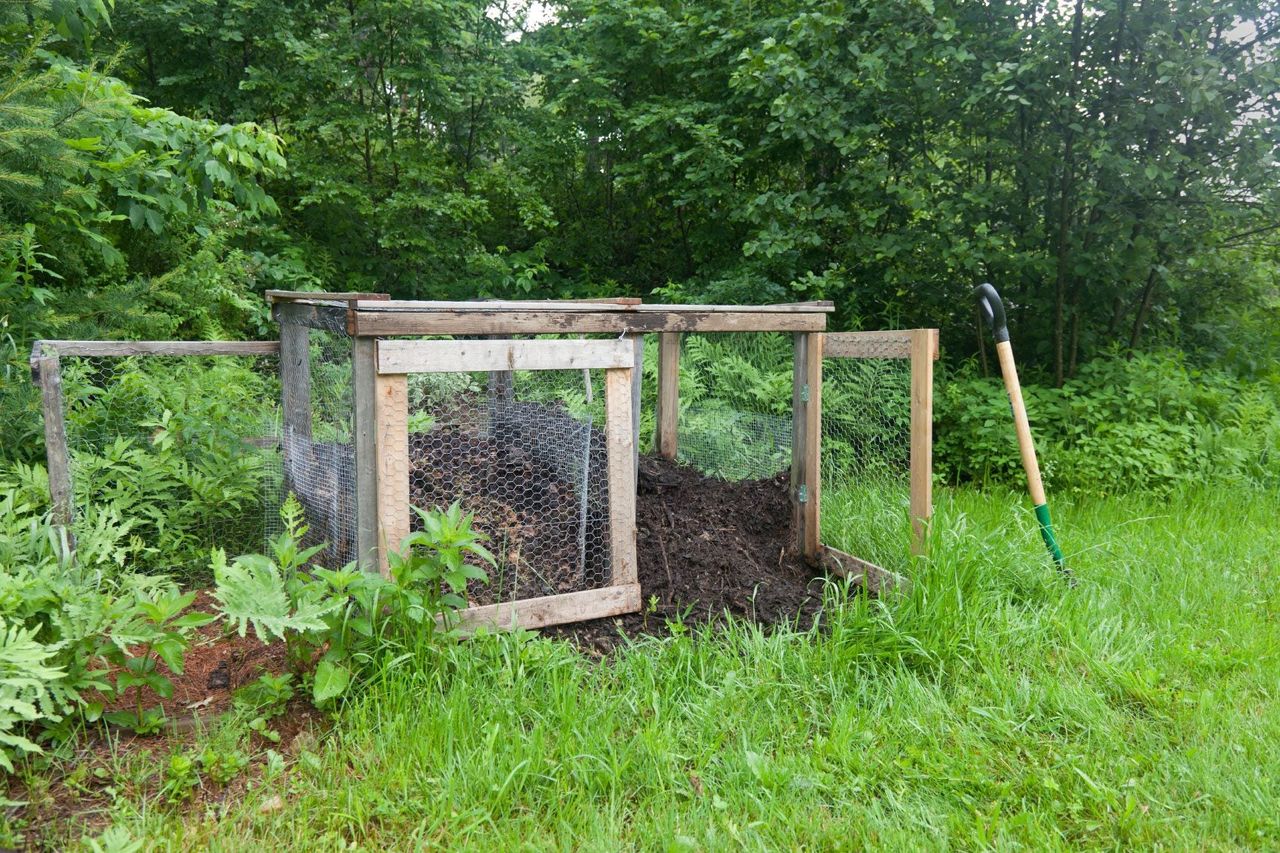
point(806, 442)
point(364, 371)
point(295, 379)
point(620, 443)
point(392, 403)
point(49, 375)
point(637, 377)
point(924, 347)
point(668, 420)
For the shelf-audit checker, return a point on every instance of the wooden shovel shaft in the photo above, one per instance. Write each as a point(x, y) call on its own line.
point(1004, 351)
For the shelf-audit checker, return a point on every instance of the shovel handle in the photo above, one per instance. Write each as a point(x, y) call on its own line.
point(992, 312)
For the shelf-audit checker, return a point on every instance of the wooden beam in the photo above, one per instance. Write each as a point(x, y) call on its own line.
point(668, 415)
point(861, 572)
point(394, 323)
point(548, 610)
point(812, 534)
point(295, 382)
point(924, 346)
point(887, 344)
point(592, 306)
point(799, 435)
point(464, 356)
point(392, 401)
point(274, 296)
point(328, 316)
point(127, 348)
point(622, 476)
point(365, 417)
point(637, 380)
point(49, 374)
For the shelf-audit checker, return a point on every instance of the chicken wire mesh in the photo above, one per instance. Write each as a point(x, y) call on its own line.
point(525, 453)
point(318, 449)
point(866, 456)
point(735, 404)
point(175, 455)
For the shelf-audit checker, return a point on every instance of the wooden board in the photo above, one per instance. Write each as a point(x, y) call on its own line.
point(637, 381)
point(811, 535)
point(49, 374)
point(620, 451)
point(860, 572)
point(127, 348)
point(924, 347)
point(668, 420)
point(488, 355)
point(592, 306)
point(489, 322)
point(391, 399)
point(274, 296)
point(888, 344)
point(554, 609)
point(295, 382)
point(799, 434)
point(363, 378)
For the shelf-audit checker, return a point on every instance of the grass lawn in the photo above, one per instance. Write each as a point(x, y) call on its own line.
point(991, 705)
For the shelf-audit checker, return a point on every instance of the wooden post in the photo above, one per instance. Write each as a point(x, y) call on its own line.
point(637, 378)
point(619, 440)
point(668, 420)
point(392, 403)
point(49, 374)
point(295, 379)
point(364, 368)
point(806, 443)
point(924, 348)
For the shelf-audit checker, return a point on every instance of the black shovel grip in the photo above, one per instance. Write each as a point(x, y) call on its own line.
point(992, 311)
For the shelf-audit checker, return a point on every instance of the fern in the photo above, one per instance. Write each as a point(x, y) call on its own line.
point(251, 591)
point(26, 697)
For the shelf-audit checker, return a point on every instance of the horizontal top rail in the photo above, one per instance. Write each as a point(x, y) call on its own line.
point(467, 356)
point(126, 348)
point(274, 296)
point(398, 323)
point(589, 305)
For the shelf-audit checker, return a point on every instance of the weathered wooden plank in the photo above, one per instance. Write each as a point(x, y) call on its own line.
point(393, 323)
point(874, 578)
point(924, 346)
point(462, 356)
point(668, 415)
point(812, 543)
point(49, 374)
point(594, 306)
point(364, 372)
point(637, 378)
point(295, 382)
point(329, 316)
point(622, 475)
point(392, 402)
point(549, 610)
point(127, 348)
point(274, 296)
point(799, 435)
point(885, 344)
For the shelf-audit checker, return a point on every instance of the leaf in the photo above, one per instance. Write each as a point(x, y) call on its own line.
point(252, 592)
point(331, 681)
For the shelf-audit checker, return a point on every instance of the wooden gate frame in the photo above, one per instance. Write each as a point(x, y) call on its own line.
point(921, 347)
point(396, 359)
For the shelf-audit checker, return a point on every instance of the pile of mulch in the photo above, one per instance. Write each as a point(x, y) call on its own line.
point(707, 547)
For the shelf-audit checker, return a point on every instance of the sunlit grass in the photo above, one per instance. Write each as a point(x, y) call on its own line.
point(989, 705)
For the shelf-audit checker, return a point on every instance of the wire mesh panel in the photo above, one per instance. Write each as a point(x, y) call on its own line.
point(181, 448)
point(524, 451)
point(317, 443)
point(866, 450)
point(735, 415)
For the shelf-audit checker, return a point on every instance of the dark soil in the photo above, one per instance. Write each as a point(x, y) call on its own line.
point(707, 547)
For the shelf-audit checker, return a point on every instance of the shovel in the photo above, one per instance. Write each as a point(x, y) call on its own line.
point(993, 312)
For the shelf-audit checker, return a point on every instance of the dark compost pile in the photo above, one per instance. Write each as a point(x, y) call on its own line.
point(706, 547)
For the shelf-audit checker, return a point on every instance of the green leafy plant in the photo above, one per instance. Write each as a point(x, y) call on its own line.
point(180, 777)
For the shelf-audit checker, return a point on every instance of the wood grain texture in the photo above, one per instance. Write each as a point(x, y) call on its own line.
point(1021, 425)
point(274, 296)
point(126, 348)
point(861, 572)
point(886, 344)
point(364, 377)
point(668, 415)
point(923, 346)
point(812, 536)
point(392, 401)
point(620, 452)
point(553, 609)
point(295, 381)
point(799, 434)
point(593, 306)
point(501, 355)
point(49, 375)
point(393, 323)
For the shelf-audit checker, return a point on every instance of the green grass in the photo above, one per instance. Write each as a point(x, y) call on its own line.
point(990, 705)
